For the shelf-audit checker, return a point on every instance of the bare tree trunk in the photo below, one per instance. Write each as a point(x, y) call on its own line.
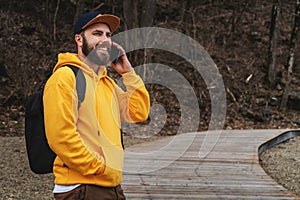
point(146, 20)
point(135, 17)
point(54, 19)
point(148, 13)
point(274, 34)
point(188, 23)
point(79, 10)
point(291, 56)
point(182, 13)
point(130, 13)
point(193, 18)
point(130, 16)
point(47, 17)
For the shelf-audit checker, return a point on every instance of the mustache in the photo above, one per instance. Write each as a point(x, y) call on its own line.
point(103, 45)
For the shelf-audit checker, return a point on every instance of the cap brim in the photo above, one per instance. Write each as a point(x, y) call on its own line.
point(111, 20)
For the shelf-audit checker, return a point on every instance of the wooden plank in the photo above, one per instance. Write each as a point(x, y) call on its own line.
point(159, 170)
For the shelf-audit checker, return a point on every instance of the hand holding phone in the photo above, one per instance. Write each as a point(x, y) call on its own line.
point(119, 60)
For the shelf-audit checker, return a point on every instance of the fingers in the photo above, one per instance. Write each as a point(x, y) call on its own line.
point(119, 47)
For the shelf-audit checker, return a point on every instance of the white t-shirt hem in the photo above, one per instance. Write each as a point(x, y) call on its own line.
point(64, 188)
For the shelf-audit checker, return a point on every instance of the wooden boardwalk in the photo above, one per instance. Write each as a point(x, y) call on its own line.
point(225, 166)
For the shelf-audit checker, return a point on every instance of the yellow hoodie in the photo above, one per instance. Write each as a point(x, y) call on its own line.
point(87, 140)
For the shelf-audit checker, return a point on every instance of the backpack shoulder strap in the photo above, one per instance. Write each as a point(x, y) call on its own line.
point(80, 83)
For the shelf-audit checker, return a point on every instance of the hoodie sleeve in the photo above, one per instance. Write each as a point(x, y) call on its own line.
point(134, 102)
point(61, 114)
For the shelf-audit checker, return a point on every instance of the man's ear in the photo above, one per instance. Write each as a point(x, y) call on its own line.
point(78, 39)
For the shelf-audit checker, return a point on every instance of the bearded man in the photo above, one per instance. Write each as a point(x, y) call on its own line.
point(87, 138)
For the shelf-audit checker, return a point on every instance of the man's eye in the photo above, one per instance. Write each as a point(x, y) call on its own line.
point(98, 33)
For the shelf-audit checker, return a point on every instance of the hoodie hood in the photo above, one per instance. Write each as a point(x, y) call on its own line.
point(72, 59)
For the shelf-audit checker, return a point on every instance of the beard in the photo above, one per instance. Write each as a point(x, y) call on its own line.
point(93, 54)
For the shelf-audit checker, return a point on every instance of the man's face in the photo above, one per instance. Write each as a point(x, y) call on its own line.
point(96, 42)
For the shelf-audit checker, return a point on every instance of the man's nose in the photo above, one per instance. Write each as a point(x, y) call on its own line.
point(107, 39)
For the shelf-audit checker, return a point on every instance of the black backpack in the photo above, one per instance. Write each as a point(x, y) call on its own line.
point(40, 155)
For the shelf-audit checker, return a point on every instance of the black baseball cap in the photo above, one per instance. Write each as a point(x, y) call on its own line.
point(90, 18)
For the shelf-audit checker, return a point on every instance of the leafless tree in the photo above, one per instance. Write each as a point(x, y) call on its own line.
point(274, 35)
point(139, 13)
point(79, 9)
point(54, 19)
point(291, 56)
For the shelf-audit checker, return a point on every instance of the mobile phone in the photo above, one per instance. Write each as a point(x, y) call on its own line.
point(114, 54)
